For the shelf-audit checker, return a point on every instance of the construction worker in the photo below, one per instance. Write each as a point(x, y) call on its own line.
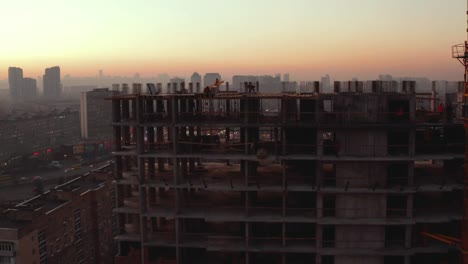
point(207, 90)
point(440, 109)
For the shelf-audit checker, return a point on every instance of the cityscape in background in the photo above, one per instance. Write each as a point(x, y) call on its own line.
point(233, 132)
point(241, 146)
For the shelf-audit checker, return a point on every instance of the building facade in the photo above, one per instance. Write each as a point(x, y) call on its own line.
point(71, 223)
point(355, 176)
point(15, 80)
point(25, 133)
point(29, 89)
point(96, 114)
point(52, 87)
point(210, 79)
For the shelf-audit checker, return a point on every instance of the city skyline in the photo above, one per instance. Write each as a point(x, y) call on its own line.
point(305, 38)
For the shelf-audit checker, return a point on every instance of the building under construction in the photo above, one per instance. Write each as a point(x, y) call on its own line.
point(362, 175)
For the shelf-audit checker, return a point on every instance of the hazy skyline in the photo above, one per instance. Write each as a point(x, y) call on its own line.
point(306, 38)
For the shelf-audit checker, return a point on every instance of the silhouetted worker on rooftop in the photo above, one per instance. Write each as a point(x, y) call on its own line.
point(207, 90)
point(250, 87)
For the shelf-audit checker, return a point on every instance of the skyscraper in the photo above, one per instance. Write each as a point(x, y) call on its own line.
point(52, 86)
point(210, 78)
point(196, 78)
point(95, 114)
point(326, 84)
point(15, 79)
point(29, 88)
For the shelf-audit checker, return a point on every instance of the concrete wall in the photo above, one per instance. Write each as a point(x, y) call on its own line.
point(358, 260)
point(365, 237)
point(360, 205)
point(28, 249)
point(360, 174)
point(362, 143)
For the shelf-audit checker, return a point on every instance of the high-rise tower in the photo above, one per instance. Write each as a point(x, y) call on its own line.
point(52, 85)
point(15, 79)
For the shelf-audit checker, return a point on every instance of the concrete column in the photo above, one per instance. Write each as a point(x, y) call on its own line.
point(409, 205)
point(318, 174)
point(412, 142)
point(178, 250)
point(190, 87)
point(319, 205)
point(319, 237)
point(407, 259)
point(412, 108)
point(283, 235)
point(319, 141)
point(411, 174)
point(433, 96)
point(318, 259)
point(408, 237)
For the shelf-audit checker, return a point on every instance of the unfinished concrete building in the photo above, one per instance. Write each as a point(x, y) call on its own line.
point(246, 177)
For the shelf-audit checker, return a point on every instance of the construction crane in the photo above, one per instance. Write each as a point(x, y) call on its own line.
point(460, 52)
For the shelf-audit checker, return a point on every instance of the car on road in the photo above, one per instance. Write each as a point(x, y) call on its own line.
point(54, 165)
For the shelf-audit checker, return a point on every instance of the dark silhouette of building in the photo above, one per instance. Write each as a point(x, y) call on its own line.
point(52, 85)
point(96, 114)
point(29, 89)
point(210, 79)
point(15, 79)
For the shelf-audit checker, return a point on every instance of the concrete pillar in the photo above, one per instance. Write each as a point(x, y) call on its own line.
point(337, 87)
point(318, 259)
point(408, 236)
point(159, 87)
point(318, 236)
point(409, 205)
point(319, 204)
point(411, 174)
point(412, 142)
point(316, 87)
point(178, 249)
point(407, 259)
point(319, 144)
point(433, 96)
point(136, 88)
point(116, 87)
point(125, 89)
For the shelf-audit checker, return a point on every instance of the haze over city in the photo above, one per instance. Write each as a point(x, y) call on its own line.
point(306, 38)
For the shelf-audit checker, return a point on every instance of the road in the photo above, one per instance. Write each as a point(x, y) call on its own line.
point(9, 191)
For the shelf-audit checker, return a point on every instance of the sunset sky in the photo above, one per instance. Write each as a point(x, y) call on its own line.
point(307, 38)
